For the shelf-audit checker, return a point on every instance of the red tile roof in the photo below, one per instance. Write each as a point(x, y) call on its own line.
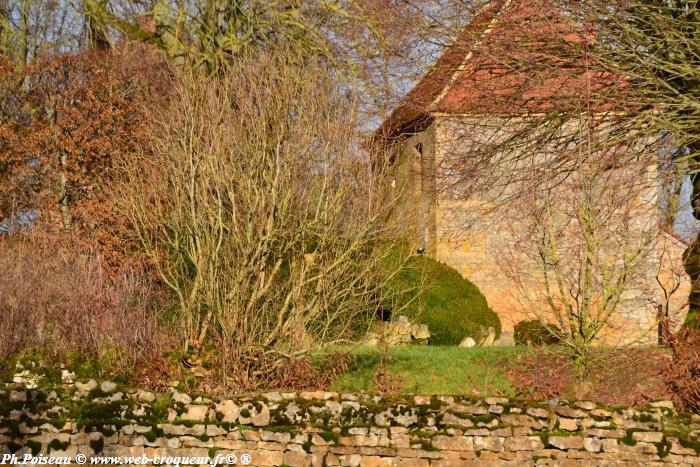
point(515, 57)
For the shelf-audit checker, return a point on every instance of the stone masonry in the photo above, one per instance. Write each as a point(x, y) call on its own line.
point(327, 429)
point(475, 235)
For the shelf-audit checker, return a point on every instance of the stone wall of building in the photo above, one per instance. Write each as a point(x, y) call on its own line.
point(324, 429)
point(466, 222)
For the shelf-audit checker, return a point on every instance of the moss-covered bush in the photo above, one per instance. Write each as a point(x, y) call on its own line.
point(534, 332)
point(437, 295)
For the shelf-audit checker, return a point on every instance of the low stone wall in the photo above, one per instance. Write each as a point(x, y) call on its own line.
point(325, 429)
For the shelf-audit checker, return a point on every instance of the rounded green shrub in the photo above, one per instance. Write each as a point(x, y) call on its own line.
point(534, 332)
point(432, 293)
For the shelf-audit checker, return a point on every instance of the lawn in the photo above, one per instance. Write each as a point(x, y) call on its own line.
point(628, 376)
point(434, 370)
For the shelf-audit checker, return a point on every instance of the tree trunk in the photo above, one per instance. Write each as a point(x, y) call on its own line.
point(691, 257)
point(96, 31)
point(63, 198)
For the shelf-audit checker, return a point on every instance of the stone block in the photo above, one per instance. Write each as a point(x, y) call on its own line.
point(250, 435)
point(296, 459)
point(610, 445)
point(352, 460)
point(592, 444)
point(523, 443)
point(601, 413)
point(135, 440)
point(504, 432)
point(172, 443)
point(568, 424)
point(192, 442)
point(421, 400)
point(454, 443)
point(677, 448)
point(108, 387)
point(319, 441)
point(507, 456)
point(488, 443)
point(398, 429)
point(196, 413)
point(451, 419)
point(496, 409)
point(230, 444)
point(585, 405)
point(537, 412)
point(331, 460)
point(471, 409)
point(644, 447)
point(566, 442)
point(181, 398)
point(673, 459)
point(265, 458)
point(254, 415)
point(277, 436)
point(407, 452)
point(376, 451)
point(496, 400)
point(400, 441)
point(477, 432)
point(410, 462)
point(270, 446)
point(603, 433)
point(25, 429)
point(144, 396)
point(648, 436)
point(448, 463)
point(569, 412)
point(521, 420)
point(228, 411)
point(662, 404)
point(429, 454)
point(318, 395)
point(215, 430)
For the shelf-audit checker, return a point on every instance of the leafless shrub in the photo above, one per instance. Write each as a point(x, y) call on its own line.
point(256, 369)
point(630, 376)
point(259, 212)
point(59, 304)
point(683, 373)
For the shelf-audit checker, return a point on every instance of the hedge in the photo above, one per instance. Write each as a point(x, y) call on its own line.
point(432, 293)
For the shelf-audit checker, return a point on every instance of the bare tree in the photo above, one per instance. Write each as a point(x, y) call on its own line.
point(655, 44)
point(581, 251)
point(29, 28)
point(670, 298)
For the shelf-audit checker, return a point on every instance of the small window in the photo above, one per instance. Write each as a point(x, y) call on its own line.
point(419, 148)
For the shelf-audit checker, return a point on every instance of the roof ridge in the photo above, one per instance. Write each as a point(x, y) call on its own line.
point(476, 73)
point(506, 4)
point(412, 107)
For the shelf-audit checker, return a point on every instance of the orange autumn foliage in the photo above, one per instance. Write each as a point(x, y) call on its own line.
point(65, 121)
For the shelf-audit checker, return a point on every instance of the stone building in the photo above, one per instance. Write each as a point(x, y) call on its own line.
point(451, 143)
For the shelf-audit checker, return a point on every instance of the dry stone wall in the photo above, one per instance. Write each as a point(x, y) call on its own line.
point(326, 428)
